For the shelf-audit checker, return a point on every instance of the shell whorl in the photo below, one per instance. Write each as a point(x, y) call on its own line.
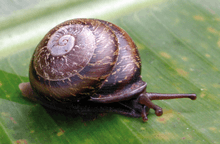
point(67, 52)
point(64, 45)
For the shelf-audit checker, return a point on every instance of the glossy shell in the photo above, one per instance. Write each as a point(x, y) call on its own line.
point(73, 60)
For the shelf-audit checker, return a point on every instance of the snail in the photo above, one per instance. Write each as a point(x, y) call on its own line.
point(90, 65)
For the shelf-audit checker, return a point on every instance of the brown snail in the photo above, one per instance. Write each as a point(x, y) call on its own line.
point(91, 65)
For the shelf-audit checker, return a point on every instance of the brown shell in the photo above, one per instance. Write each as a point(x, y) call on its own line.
point(73, 60)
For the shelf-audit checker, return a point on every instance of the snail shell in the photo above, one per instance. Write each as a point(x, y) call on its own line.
point(82, 57)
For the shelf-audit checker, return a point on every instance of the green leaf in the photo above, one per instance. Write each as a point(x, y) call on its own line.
point(179, 45)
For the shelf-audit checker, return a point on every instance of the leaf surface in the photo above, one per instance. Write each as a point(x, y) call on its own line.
point(179, 45)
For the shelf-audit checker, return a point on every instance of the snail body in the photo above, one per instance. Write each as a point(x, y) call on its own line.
point(85, 63)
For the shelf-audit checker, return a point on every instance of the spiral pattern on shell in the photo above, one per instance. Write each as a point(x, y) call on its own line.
point(64, 45)
point(67, 52)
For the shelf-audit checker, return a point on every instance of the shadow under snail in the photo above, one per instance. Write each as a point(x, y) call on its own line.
point(90, 66)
